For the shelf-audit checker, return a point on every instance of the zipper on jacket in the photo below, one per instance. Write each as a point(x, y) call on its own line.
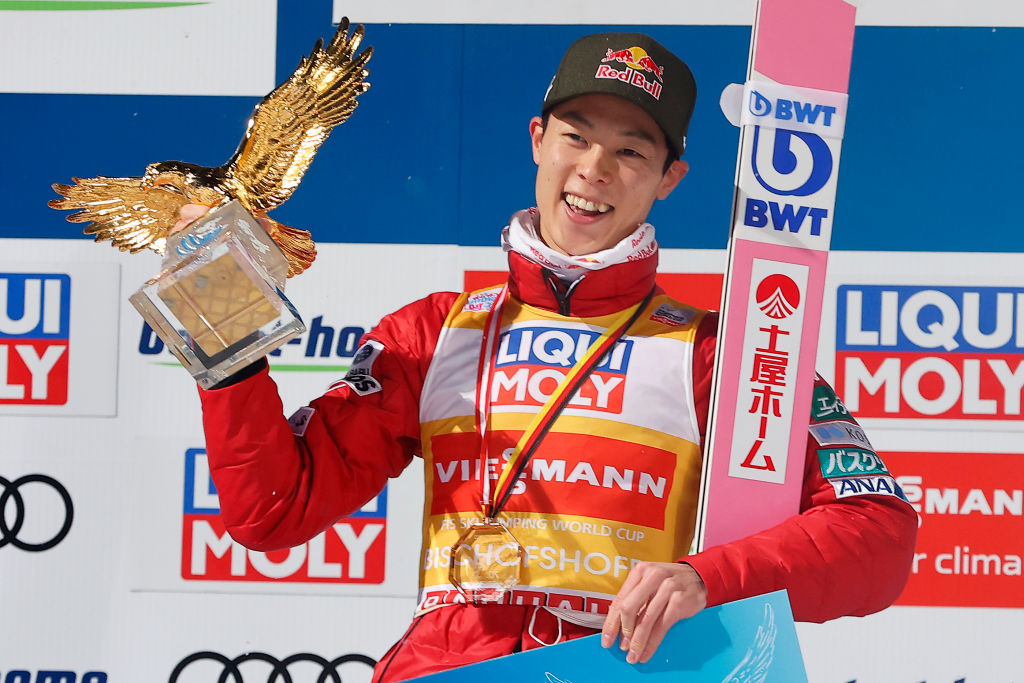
point(561, 291)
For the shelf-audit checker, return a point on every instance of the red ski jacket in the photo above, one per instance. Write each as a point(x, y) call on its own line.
point(281, 482)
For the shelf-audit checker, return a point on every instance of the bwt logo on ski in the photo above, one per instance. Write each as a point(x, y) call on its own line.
point(949, 352)
point(319, 341)
point(350, 551)
point(532, 361)
point(789, 163)
point(791, 110)
point(35, 313)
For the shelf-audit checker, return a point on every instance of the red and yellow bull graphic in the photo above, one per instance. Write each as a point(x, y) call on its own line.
point(638, 62)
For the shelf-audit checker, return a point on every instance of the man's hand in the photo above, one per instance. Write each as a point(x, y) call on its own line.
point(192, 212)
point(654, 597)
point(187, 214)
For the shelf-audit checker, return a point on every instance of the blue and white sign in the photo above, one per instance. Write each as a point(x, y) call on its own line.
point(747, 641)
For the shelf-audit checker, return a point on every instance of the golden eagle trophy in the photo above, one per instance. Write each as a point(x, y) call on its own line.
point(218, 302)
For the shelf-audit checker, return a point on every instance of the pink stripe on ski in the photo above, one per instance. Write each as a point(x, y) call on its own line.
point(806, 43)
point(739, 507)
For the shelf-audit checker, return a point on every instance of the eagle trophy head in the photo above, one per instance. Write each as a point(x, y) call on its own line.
point(171, 175)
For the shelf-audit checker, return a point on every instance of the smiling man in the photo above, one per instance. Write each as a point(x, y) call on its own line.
point(560, 418)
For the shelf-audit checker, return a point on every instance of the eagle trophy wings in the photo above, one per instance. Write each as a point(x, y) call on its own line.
point(281, 138)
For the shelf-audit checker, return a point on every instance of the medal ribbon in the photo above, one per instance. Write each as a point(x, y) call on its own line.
point(493, 502)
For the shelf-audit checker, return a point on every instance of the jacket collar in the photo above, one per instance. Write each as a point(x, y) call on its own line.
point(597, 292)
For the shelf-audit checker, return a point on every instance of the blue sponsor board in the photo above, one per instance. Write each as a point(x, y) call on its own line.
point(931, 351)
point(35, 305)
point(440, 141)
point(350, 550)
point(743, 641)
point(200, 494)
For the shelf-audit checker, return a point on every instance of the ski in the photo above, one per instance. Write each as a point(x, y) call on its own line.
point(791, 113)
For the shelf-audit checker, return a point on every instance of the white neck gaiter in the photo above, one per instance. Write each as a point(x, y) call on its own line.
point(522, 236)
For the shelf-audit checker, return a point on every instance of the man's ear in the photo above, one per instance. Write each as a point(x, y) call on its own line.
point(536, 133)
point(676, 172)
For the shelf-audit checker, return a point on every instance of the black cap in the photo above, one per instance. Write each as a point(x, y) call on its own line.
point(635, 67)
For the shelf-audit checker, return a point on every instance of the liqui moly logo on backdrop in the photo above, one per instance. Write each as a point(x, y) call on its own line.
point(768, 369)
point(350, 551)
point(533, 361)
point(35, 314)
point(931, 352)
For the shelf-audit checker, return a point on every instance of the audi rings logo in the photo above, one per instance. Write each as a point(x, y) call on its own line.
point(14, 512)
point(294, 669)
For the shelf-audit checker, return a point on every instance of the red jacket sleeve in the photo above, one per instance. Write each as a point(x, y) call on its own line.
point(847, 556)
point(282, 482)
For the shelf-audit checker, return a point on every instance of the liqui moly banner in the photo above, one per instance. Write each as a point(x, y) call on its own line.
point(792, 112)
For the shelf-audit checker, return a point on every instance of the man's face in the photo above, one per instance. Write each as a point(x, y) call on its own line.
point(599, 170)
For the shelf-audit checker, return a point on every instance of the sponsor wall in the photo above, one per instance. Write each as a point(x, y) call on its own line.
point(113, 562)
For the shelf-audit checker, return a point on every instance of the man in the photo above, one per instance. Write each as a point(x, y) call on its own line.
point(601, 513)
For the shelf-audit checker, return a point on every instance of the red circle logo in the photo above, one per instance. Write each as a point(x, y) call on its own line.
point(778, 296)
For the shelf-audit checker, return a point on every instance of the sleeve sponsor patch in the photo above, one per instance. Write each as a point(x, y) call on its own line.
point(300, 420)
point(670, 315)
point(481, 301)
point(826, 406)
point(359, 375)
point(845, 462)
point(859, 486)
point(839, 433)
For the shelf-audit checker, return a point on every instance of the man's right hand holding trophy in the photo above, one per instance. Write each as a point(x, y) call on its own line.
point(218, 302)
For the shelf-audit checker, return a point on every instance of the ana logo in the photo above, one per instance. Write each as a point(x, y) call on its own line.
point(350, 551)
point(778, 296)
point(14, 512)
point(635, 58)
point(227, 669)
point(35, 314)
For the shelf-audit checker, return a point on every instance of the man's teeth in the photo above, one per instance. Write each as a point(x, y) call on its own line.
point(586, 205)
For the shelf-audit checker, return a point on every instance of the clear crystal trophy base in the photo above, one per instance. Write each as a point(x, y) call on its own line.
point(218, 304)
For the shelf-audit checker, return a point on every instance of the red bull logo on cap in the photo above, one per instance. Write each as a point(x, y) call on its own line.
point(638, 61)
point(635, 58)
